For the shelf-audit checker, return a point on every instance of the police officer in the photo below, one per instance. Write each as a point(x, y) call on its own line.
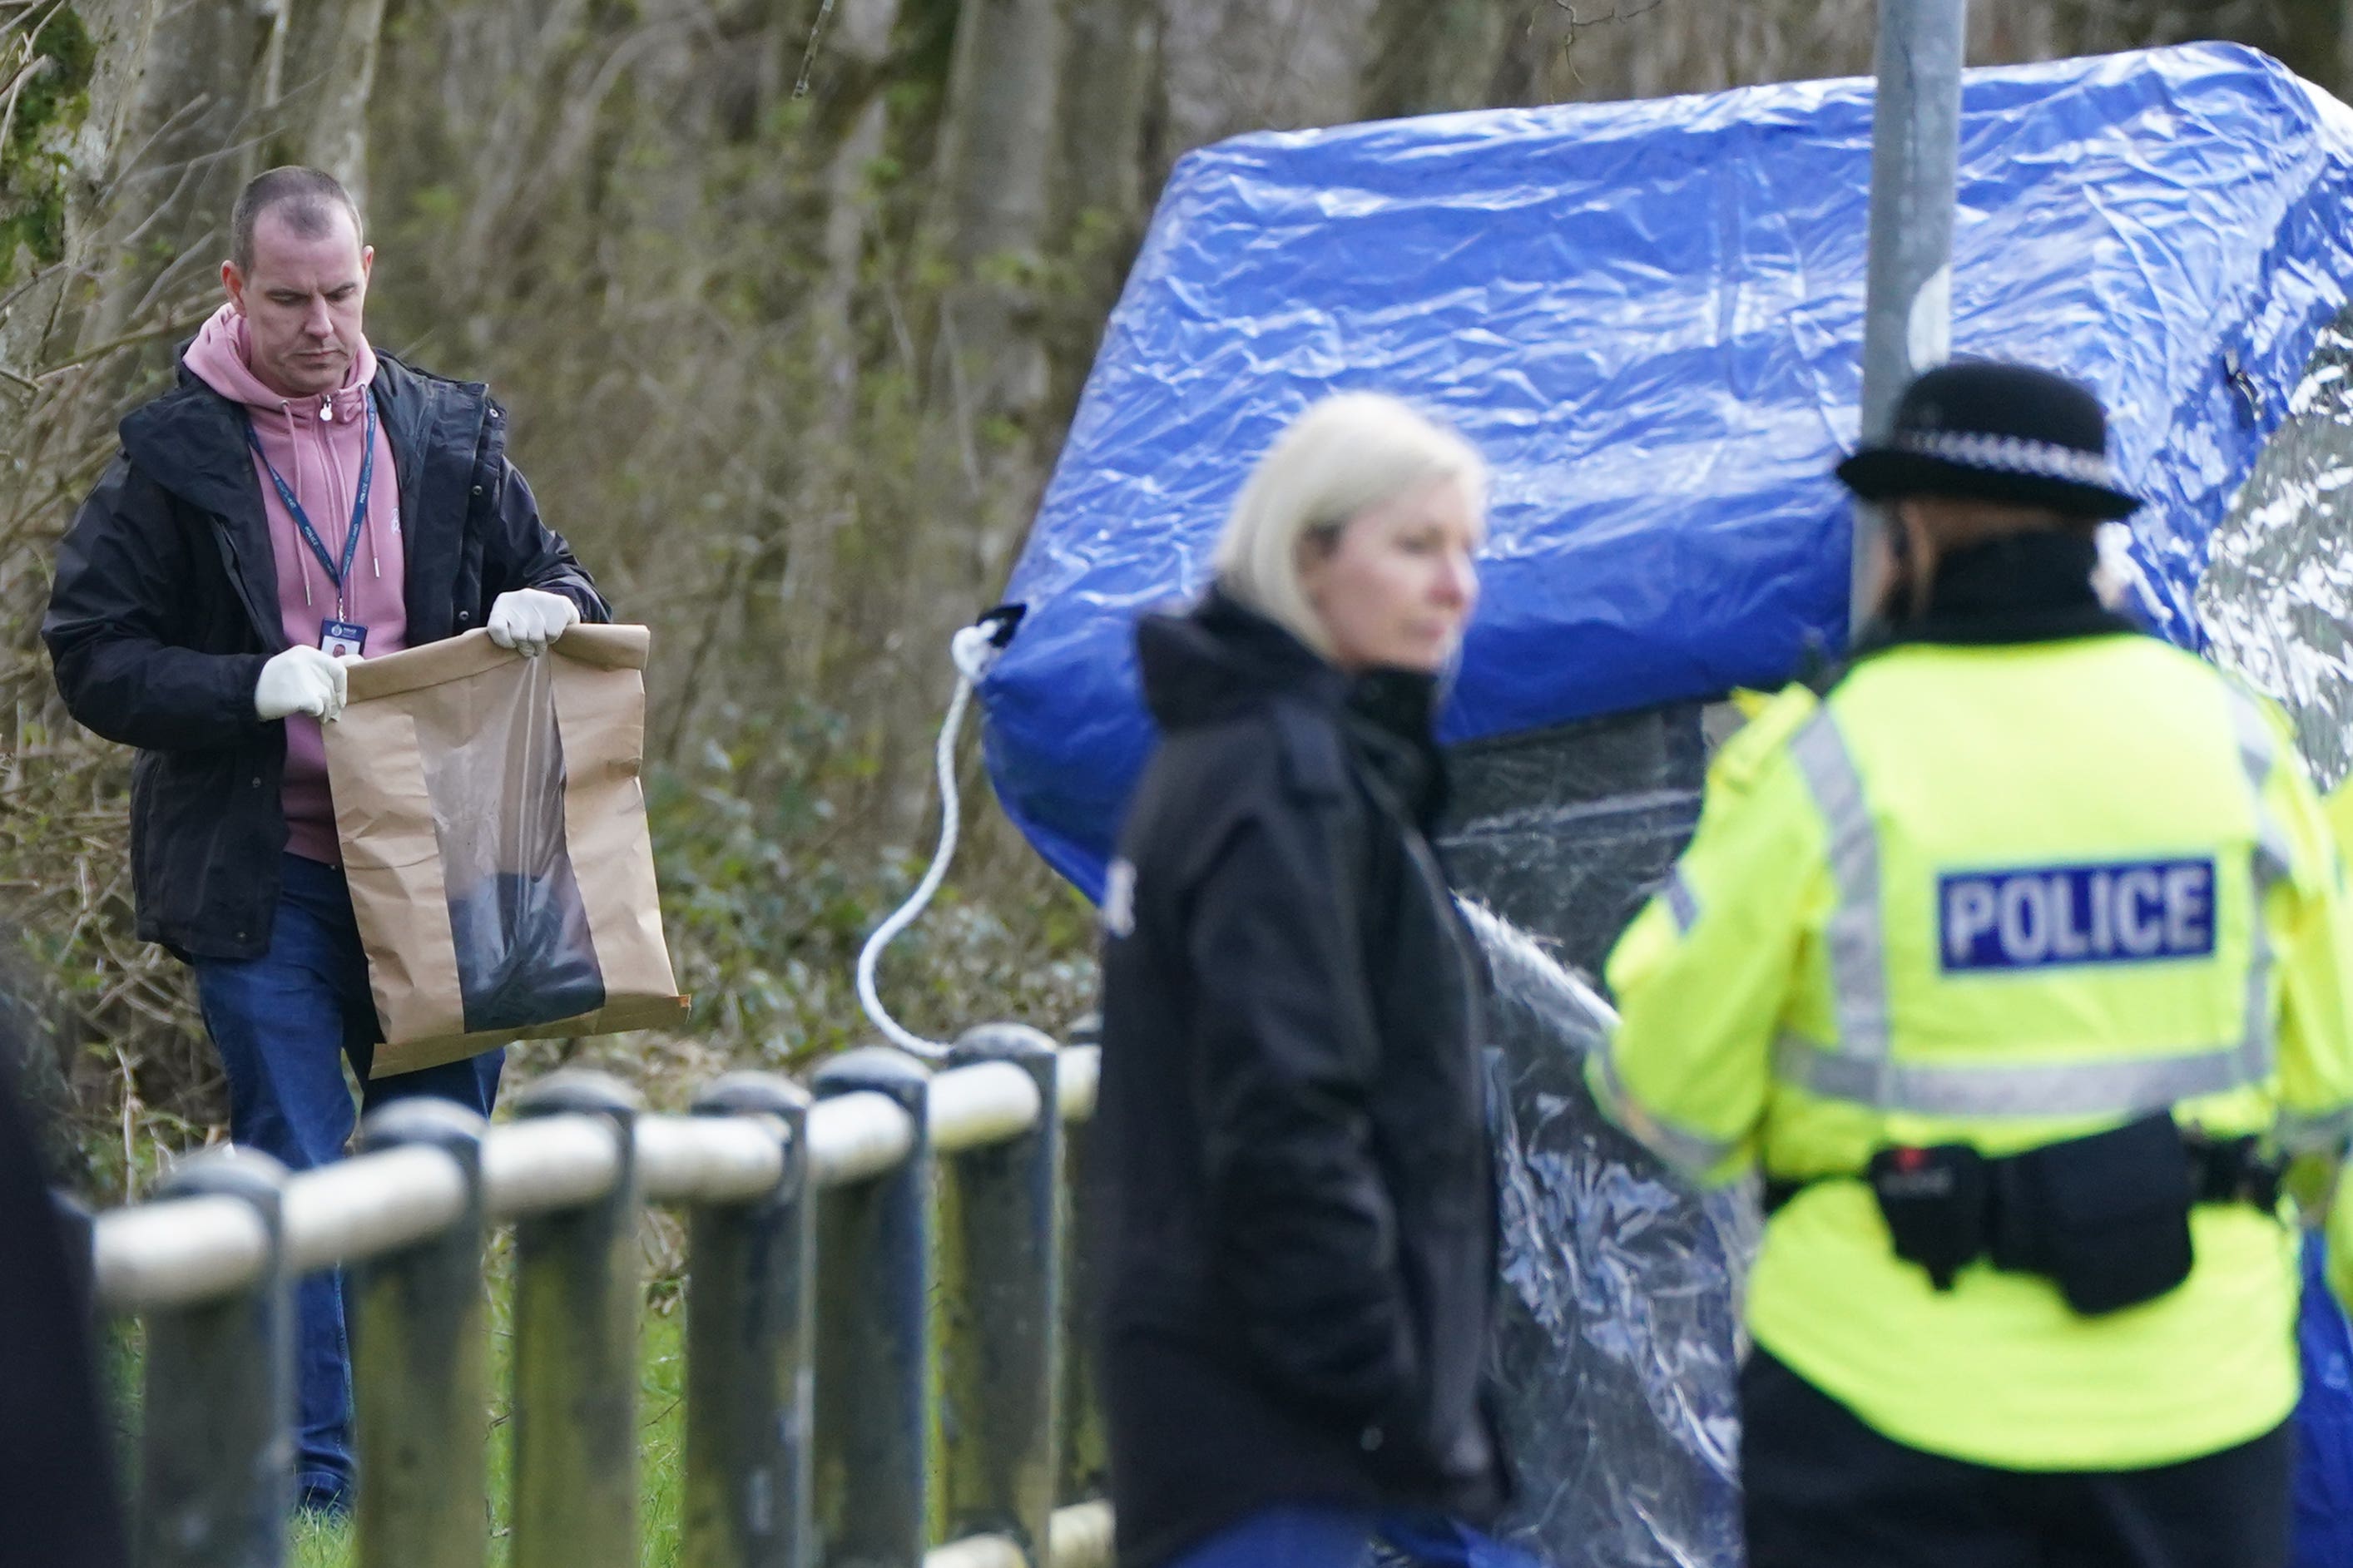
point(2016, 961)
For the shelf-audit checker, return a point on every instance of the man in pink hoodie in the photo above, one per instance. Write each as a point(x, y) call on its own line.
point(298, 500)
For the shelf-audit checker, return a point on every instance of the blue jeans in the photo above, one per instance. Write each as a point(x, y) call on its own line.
point(283, 1022)
point(2323, 1421)
point(1295, 1535)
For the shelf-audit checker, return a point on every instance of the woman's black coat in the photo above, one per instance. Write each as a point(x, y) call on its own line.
point(1295, 1179)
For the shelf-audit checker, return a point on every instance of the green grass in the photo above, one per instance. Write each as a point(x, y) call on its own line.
point(661, 1412)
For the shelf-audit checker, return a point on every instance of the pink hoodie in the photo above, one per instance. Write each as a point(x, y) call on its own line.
point(314, 444)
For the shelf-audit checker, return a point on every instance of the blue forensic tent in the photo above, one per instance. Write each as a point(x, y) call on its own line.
point(1648, 316)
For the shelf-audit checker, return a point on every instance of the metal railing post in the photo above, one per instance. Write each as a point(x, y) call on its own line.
point(75, 1224)
point(420, 1360)
point(217, 1451)
point(577, 1295)
point(1086, 1450)
point(875, 1364)
point(1001, 1268)
point(750, 1386)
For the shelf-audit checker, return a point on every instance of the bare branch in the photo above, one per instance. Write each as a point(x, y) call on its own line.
point(149, 335)
point(808, 58)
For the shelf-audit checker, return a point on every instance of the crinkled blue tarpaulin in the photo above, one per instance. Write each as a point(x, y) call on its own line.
point(1648, 316)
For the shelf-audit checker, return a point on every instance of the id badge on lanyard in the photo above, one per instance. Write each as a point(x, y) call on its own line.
point(338, 637)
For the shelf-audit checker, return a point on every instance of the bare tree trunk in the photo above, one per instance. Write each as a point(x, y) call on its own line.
point(1434, 55)
point(323, 85)
point(990, 211)
point(63, 379)
point(829, 501)
point(995, 165)
point(996, 155)
point(651, 183)
point(189, 138)
point(1109, 93)
point(1108, 87)
point(53, 204)
point(2000, 31)
point(1232, 66)
point(485, 116)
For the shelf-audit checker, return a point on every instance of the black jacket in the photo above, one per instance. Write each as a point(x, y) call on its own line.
point(165, 608)
point(1294, 1184)
point(57, 1497)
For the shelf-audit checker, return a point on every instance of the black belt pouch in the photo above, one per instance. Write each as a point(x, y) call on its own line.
point(2106, 1218)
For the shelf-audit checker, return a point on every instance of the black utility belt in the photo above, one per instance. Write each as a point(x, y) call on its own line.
point(2105, 1219)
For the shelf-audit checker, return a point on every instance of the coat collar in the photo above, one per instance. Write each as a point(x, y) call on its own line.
point(2026, 588)
point(190, 441)
point(1223, 656)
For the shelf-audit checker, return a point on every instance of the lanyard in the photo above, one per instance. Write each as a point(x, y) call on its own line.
point(335, 574)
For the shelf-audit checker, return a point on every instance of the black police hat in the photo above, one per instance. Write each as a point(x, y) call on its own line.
point(1996, 432)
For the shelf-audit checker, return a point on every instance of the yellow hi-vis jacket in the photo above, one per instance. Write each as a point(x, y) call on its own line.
point(2001, 895)
point(2339, 809)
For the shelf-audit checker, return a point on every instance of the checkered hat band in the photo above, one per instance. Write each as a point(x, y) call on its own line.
point(2011, 454)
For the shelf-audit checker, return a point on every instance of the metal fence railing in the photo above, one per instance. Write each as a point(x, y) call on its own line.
point(882, 1365)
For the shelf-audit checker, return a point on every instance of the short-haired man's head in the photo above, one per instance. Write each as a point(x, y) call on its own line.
point(1290, 552)
point(298, 274)
point(307, 201)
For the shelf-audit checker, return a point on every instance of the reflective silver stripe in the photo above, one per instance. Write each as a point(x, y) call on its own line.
point(2123, 1087)
point(1860, 1068)
point(1689, 1150)
point(1681, 903)
point(2258, 755)
point(2323, 1133)
point(1857, 952)
point(1971, 450)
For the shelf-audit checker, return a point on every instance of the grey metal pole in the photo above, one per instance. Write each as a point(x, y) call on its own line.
point(1915, 153)
point(420, 1365)
point(750, 1387)
point(1001, 1327)
point(217, 1452)
point(875, 1367)
point(577, 1295)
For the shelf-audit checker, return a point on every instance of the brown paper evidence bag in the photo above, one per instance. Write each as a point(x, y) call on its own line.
point(493, 831)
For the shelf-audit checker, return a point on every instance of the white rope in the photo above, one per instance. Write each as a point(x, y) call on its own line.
point(975, 649)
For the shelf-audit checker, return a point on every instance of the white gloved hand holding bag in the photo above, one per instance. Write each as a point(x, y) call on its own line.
point(528, 620)
point(302, 680)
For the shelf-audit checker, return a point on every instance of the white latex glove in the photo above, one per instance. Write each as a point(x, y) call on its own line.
point(528, 620)
point(300, 680)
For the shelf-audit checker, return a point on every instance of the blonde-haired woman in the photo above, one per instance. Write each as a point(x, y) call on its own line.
point(1295, 1179)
